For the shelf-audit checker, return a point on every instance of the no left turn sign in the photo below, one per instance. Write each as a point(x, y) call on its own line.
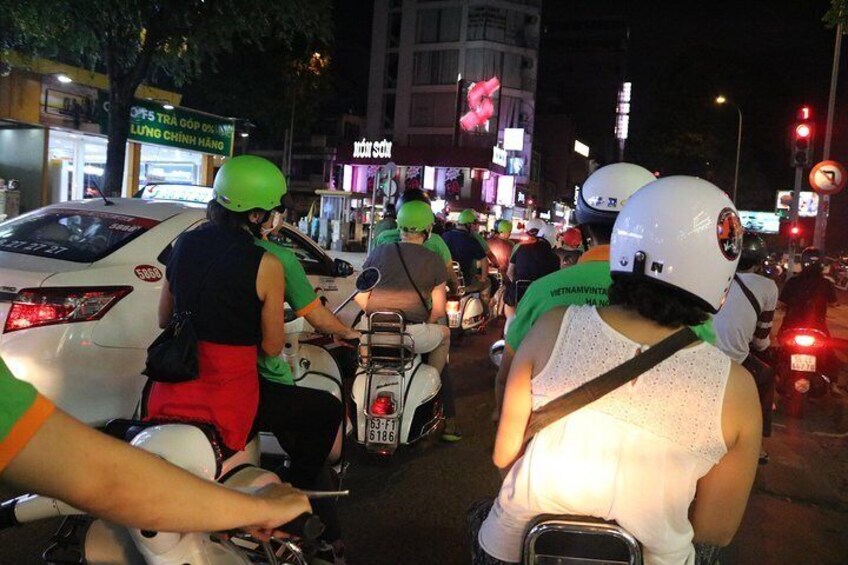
point(828, 177)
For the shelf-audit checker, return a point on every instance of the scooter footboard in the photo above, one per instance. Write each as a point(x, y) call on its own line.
point(578, 540)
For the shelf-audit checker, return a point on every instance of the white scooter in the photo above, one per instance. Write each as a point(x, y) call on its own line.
point(397, 395)
point(465, 310)
point(194, 448)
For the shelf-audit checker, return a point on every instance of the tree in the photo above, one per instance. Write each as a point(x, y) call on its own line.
point(134, 41)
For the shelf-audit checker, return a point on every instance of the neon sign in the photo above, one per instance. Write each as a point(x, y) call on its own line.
point(480, 104)
point(365, 149)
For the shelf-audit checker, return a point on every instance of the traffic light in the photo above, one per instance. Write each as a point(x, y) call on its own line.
point(802, 139)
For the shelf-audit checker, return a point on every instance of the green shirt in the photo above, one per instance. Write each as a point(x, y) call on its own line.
point(586, 283)
point(22, 412)
point(301, 297)
point(434, 243)
point(383, 225)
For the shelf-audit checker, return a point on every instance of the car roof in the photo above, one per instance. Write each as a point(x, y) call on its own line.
point(151, 209)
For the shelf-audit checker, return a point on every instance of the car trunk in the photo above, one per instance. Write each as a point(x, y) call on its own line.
point(18, 271)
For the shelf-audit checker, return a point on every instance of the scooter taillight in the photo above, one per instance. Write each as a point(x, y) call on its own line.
point(383, 405)
point(804, 340)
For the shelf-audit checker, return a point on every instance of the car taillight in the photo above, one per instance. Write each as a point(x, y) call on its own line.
point(452, 307)
point(383, 405)
point(34, 307)
point(804, 340)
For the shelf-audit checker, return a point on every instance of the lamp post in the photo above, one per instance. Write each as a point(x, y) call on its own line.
point(722, 100)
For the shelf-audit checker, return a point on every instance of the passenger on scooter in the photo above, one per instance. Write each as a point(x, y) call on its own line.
point(532, 260)
point(671, 457)
point(413, 282)
point(388, 222)
point(234, 292)
point(306, 422)
point(466, 249)
point(502, 246)
point(743, 325)
point(601, 199)
point(43, 450)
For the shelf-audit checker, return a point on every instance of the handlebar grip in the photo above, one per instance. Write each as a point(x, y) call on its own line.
point(306, 526)
point(7, 514)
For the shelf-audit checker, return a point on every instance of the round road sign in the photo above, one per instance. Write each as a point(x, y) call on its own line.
point(828, 177)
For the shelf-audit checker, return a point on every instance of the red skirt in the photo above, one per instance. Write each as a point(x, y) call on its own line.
point(226, 394)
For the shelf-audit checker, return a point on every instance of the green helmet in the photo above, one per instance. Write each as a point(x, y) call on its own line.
point(505, 226)
point(467, 216)
point(248, 182)
point(415, 216)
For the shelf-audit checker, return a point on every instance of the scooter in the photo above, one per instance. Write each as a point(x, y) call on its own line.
point(397, 396)
point(465, 310)
point(561, 540)
point(195, 448)
point(801, 359)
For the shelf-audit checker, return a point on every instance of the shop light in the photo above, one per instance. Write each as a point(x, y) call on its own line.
point(168, 106)
point(429, 178)
point(244, 134)
point(64, 79)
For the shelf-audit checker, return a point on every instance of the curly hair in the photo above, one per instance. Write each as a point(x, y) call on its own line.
point(664, 304)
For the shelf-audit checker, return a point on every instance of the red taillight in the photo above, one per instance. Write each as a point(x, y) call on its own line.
point(383, 405)
point(804, 340)
point(452, 307)
point(34, 307)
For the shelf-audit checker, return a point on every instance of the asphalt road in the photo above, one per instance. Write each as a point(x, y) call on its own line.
point(410, 509)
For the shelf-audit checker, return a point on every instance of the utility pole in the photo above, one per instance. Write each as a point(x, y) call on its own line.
point(793, 219)
point(824, 201)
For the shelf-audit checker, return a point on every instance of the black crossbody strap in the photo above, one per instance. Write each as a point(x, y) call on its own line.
point(601, 386)
point(749, 295)
point(409, 276)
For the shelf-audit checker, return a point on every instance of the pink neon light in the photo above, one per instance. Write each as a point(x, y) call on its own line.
point(480, 104)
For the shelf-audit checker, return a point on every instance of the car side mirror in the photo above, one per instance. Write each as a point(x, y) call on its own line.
point(342, 268)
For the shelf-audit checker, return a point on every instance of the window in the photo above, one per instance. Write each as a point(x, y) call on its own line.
point(433, 109)
point(430, 140)
point(482, 64)
point(81, 236)
point(435, 67)
point(391, 70)
point(394, 30)
point(434, 26)
point(389, 112)
point(503, 26)
point(312, 262)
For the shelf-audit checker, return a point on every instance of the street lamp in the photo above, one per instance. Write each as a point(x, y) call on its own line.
point(722, 100)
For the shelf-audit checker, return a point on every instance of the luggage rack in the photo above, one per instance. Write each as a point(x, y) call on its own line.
point(579, 540)
point(385, 345)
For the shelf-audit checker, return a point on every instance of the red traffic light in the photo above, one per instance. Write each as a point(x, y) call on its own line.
point(805, 113)
point(802, 131)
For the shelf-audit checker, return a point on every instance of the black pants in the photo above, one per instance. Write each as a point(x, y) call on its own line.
point(305, 421)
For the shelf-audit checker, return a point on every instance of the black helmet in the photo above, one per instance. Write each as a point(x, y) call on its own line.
point(811, 258)
point(754, 251)
point(411, 195)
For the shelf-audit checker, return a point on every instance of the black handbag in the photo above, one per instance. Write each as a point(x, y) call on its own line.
point(172, 357)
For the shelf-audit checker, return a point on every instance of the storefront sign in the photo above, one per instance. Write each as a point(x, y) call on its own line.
point(365, 149)
point(499, 156)
point(181, 128)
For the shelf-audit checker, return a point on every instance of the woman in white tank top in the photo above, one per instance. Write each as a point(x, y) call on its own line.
point(670, 456)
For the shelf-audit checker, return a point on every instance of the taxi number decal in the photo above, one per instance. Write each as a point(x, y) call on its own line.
point(148, 273)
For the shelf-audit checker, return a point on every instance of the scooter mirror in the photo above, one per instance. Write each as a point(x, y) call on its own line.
point(368, 279)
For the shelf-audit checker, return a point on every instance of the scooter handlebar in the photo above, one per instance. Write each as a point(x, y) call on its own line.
point(306, 526)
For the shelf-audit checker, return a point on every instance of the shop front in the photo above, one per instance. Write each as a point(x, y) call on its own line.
point(53, 120)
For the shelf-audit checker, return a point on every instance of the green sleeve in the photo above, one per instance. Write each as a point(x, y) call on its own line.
point(16, 398)
point(437, 245)
point(299, 291)
point(387, 236)
point(530, 308)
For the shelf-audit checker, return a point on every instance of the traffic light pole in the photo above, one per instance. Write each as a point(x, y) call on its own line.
point(793, 219)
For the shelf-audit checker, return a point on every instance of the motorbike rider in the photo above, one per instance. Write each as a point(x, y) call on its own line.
point(413, 281)
point(532, 260)
point(570, 247)
point(125, 485)
point(388, 222)
point(671, 457)
point(743, 325)
point(235, 293)
point(467, 250)
point(600, 200)
point(502, 246)
point(306, 422)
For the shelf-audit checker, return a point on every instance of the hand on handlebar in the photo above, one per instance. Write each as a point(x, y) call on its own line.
point(346, 339)
point(284, 503)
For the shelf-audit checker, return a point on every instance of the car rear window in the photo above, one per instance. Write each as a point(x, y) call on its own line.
point(81, 236)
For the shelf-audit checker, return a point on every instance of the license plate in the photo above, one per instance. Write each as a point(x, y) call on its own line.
point(382, 430)
point(805, 363)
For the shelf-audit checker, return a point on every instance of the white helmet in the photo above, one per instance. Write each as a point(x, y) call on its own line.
point(605, 192)
point(535, 224)
point(549, 232)
point(683, 232)
point(183, 445)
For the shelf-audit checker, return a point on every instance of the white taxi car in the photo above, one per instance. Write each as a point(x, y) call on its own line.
point(79, 289)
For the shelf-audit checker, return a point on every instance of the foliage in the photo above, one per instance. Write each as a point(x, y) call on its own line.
point(141, 40)
point(837, 14)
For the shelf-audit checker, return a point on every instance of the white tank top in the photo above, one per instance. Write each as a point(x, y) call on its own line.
point(634, 456)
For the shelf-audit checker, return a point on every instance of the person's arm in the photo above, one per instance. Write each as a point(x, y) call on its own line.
point(484, 269)
point(439, 300)
point(722, 494)
point(166, 305)
point(324, 321)
point(270, 288)
point(93, 472)
point(510, 271)
point(762, 334)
